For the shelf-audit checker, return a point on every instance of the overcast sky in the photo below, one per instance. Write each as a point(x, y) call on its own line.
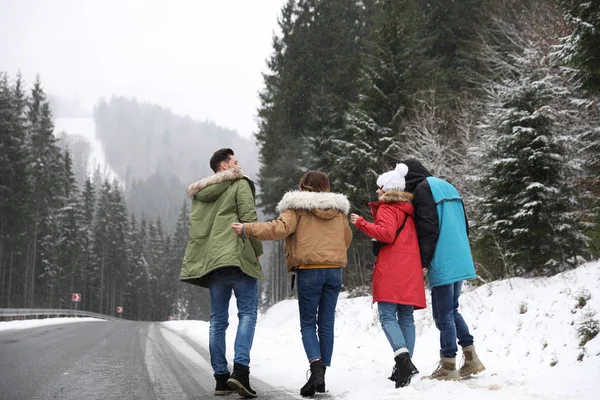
point(198, 57)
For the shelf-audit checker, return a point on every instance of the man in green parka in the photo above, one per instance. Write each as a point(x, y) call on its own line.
point(223, 262)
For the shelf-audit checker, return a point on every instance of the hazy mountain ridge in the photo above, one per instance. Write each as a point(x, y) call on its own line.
point(141, 139)
point(157, 153)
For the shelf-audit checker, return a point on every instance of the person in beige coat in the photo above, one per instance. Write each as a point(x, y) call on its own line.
point(313, 221)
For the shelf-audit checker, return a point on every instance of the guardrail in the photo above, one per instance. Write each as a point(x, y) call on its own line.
point(9, 314)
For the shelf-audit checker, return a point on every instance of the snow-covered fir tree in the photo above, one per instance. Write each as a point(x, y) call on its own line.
point(88, 204)
point(581, 48)
point(46, 167)
point(101, 245)
point(529, 216)
point(368, 143)
point(580, 53)
point(72, 234)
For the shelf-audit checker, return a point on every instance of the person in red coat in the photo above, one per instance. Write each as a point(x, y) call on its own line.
point(398, 286)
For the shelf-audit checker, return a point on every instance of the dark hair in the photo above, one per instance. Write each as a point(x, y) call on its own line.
point(314, 181)
point(218, 157)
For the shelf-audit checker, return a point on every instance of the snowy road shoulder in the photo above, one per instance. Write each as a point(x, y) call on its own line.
point(34, 323)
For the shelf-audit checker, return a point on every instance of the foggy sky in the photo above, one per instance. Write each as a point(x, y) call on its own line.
point(198, 57)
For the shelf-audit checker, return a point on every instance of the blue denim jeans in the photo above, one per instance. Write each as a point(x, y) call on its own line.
point(398, 325)
point(318, 291)
point(444, 304)
point(223, 282)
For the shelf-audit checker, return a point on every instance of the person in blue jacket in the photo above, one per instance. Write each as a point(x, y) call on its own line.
point(442, 231)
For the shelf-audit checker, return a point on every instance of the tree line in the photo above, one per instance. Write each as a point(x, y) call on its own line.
point(57, 238)
point(499, 97)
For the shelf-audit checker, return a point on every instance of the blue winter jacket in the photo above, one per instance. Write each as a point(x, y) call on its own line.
point(442, 227)
point(452, 259)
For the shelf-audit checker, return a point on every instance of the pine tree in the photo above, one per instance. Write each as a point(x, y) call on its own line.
point(88, 204)
point(279, 143)
point(117, 254)
point(101, 246)
point(590, 139)
point(136, 292)
point(14, 188)
point(313, 76)
point(335, 38)
point(180, 306)
point(144, 283)
point(46, 165)
point(392, 65)
point(170, 279)
point(451, 29)
point(581, 48)
point(70, 232)
point(15, 192)
point(528, 215)
point(156, 257)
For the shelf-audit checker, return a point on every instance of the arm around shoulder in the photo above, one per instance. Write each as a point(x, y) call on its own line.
point(279, 228)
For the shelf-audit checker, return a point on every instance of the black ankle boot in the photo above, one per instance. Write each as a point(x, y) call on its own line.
point(403, 371)
point(316, 380)
point(222, 389)
point(240, 381)
point(321, 388)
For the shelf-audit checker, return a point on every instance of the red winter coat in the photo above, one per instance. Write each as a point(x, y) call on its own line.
point(398, 274)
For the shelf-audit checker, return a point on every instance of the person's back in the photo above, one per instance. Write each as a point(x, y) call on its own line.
point(217, 202)
point(452, 259)
point(397, 282)
point(442, 229)
point(224, 263)
point(315, 228)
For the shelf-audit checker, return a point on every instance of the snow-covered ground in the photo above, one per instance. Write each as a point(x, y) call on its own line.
point(526, 335)
point(86, 128)
point(34, 323)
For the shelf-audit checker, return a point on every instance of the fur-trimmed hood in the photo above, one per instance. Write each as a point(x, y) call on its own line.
point(395, 196)
point(232, 174)
point(323, 204)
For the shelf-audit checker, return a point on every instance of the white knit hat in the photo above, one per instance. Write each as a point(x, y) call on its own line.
point(393, 180)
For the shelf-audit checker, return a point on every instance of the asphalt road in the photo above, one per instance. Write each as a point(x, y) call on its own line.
point(109, 360)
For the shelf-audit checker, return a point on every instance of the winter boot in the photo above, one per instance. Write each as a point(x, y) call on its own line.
point(471, 364)
point(446, 370)
point(321, 388)
point(403, 371)
point(316, 380)
point(222, 389)
point(392, 377)
point(240, 381)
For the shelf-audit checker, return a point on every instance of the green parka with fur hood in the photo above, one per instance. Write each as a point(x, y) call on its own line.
point(217, 202)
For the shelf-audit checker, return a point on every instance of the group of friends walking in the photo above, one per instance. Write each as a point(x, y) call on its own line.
point(419, 229)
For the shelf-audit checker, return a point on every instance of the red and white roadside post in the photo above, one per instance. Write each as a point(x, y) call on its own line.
point(76, 299)
point(120, 310)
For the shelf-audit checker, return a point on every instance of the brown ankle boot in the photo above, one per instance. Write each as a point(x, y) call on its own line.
point(471, 364)
point(446, 370)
